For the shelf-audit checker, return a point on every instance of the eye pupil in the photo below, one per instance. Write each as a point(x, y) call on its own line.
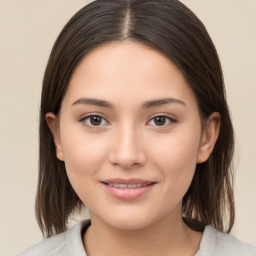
point(95, 120)
point(160, 120)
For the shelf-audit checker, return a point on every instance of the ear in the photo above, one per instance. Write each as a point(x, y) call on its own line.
point(51, 120)
point(209, 137)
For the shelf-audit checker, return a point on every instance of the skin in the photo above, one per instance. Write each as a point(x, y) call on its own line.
point(130, 142)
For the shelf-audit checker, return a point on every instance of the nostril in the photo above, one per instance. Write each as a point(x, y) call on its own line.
point(127, 149)
point(127, 162)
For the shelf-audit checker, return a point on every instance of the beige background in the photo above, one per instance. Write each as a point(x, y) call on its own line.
point(28, 29)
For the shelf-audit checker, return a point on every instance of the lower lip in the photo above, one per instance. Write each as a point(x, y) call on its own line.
point(128, 193)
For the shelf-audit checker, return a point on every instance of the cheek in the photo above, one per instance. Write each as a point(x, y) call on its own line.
point(81, 150)
point(83, 156)
point(176, 158)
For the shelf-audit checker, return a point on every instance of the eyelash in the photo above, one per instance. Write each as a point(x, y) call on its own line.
point(167, 120)
point(88, 117)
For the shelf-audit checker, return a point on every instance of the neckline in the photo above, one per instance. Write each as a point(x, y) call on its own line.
point(76, 247)
point(209, 234)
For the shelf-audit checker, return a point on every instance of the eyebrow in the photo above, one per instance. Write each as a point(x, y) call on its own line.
point(95, 102)
point(147, 104)
point(164, 101)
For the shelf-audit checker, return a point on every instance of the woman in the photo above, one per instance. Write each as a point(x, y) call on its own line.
point(134, 124)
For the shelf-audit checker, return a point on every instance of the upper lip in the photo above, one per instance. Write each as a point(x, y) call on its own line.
point(128, 181)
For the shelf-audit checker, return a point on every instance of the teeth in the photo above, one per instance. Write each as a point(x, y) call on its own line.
point(132, 185)
point(127, 185)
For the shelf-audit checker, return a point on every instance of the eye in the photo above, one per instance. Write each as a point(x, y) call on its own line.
point(161, 121)
point(94, 121)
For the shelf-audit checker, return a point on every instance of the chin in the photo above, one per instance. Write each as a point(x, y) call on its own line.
point(129, 220)
point(131, 224)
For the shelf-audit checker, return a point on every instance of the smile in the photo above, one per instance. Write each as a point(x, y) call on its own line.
point(116, 185)
point(127, 189)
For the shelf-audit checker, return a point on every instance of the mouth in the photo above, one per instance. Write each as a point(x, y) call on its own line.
point(127, 189)
point(116, 185)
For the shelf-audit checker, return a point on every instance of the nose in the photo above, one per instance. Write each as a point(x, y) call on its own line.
point(127, 149)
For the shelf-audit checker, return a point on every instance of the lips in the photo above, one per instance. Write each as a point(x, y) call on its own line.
point(116, 185)
point(130, 189)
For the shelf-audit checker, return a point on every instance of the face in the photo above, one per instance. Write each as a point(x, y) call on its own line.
point(130, 135)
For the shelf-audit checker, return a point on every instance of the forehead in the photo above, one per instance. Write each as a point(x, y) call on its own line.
point(133, 56)
point(127, 70)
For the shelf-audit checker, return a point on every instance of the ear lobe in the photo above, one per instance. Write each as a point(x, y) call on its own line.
point(51, 120)
point(209, 137)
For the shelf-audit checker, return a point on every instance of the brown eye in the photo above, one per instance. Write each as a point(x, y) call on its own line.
point(161, 121)
point(93, 121)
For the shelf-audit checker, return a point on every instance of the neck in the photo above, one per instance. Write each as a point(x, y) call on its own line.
point(165, 237)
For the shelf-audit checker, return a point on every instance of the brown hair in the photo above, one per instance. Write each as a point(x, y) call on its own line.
point(167, 26)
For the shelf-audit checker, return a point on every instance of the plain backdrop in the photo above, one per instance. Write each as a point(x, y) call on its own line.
point(28, 29)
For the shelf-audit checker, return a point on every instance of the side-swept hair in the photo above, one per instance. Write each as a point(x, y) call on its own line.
point(171, 28)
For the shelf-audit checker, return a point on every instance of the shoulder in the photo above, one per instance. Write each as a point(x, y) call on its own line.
point(48, 246)
point(61, 244)
point(217, 243)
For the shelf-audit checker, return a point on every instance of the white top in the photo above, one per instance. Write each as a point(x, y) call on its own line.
point(69, 243)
